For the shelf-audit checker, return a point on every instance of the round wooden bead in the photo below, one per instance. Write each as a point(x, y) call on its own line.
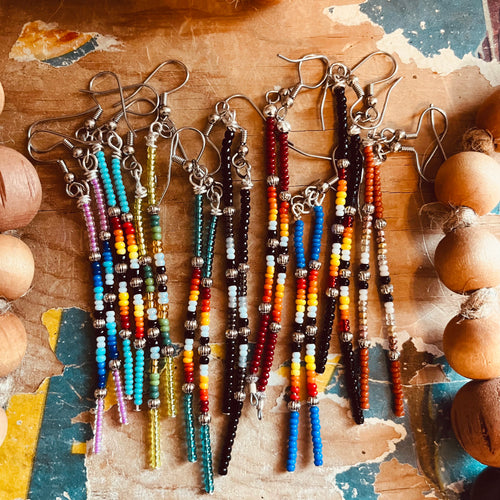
point(17, 267)
point(472, 346)
point(20, 190)
point(469, 179)
point(488, 116)
point(475, 418)
point(13, 340)
point(2, 98)
point(3, 425)
point(467, 259)
point(487, 485)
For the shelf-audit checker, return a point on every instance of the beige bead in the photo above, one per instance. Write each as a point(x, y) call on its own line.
point(17, 267)
point(469, 179)
point(13, 340)
point(467, 259)
point(3, 425)
point(20, 190)
point(472, 346)
point(475, 418)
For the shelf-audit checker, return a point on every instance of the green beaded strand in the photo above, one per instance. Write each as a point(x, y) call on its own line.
point(189, 424)
point(206, 450)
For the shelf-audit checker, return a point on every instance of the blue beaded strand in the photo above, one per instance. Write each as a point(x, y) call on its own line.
point(100, 340)
point(189, 425)
point(316, 435)
point(293, 435)
point(120, 187)
point(106, 179)
point(206, 450)
point(300, 255)
point(139, 377)
point(317, 232)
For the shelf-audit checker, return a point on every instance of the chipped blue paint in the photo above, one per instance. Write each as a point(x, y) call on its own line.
point(56, 469)
point(74, 55)
point(432, 25)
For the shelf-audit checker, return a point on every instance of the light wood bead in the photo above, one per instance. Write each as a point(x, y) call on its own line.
point(475, 418)
point(472, 346)
point(469, 179)
point(13, 340)
point(467, 259)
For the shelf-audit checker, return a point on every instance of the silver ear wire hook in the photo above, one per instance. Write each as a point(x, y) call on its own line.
point(66, 141)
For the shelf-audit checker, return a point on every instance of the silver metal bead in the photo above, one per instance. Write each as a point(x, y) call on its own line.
point(69, 177)
point(213, 118)
point(100, 393)
point(153, 404)
point(167, 351)
point(231, 273)
point(272, 180)
point(312, 401)
point(275, 327)
point(272, 243)
point(89, 124)
point(128, 150)
point(338, 228)
point(161, 279)
point(243, 150)
point(311, 330)
point(364, 343)
point(265, 308)
point(243, 268)
point(346, 336)
point(128, 217)
point(283, 126)
point(270, 110)
point(251, 379)
point(197, 262)
point(188, 167)
point(228, 210)
point(121, 268)
point(206, 282)
point(298, 337)
point(77, 152)
point(301, 272)
point(153, 332)
point(244, 331)
point(240, 396)
point(136, 282)
point(332, 292)
point(140, 343)
point(153, 209)
point(394, 355)
point(314, 264)
point(364, 275)
point(114, 364)
point(94, 256)
point(343, 163)
point(104, 235)
point(350, 210)
point(109, 297)
point(204, 350)
point(145, 260)
point(190, 324)
point(111, 125)
point(368, 208)
point(285, 196)
point(114, 212)
point(231, 334)
point(283, 259)
point(345, 273)
point(204, 418)
point(354, 130)
point(125, 334)
point(99, 323)
point(385, 289)
point(294, 405)
point(380, 223)
point(188, 388)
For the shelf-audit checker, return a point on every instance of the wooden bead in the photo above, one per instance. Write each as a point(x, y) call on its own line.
point(2, 98)
point(467, 259)
point(475, 418)
point(13, 340)
point(487, 485)
point(488, 116)
point(472, 346)
point(469, 179)
point(17, 267)
point(20, 190)
point(3, 425)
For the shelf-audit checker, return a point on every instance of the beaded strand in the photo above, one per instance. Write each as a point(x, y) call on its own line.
point(385, 292)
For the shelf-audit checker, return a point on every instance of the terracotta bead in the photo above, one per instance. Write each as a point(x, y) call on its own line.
point(13, 340)
point(475, 418)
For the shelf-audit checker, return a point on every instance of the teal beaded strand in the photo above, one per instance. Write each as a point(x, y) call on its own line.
point(206, 449)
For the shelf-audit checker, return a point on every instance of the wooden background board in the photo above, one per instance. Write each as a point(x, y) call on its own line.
point(231, 48)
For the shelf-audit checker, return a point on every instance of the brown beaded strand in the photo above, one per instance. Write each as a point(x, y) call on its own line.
point(386, 289)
